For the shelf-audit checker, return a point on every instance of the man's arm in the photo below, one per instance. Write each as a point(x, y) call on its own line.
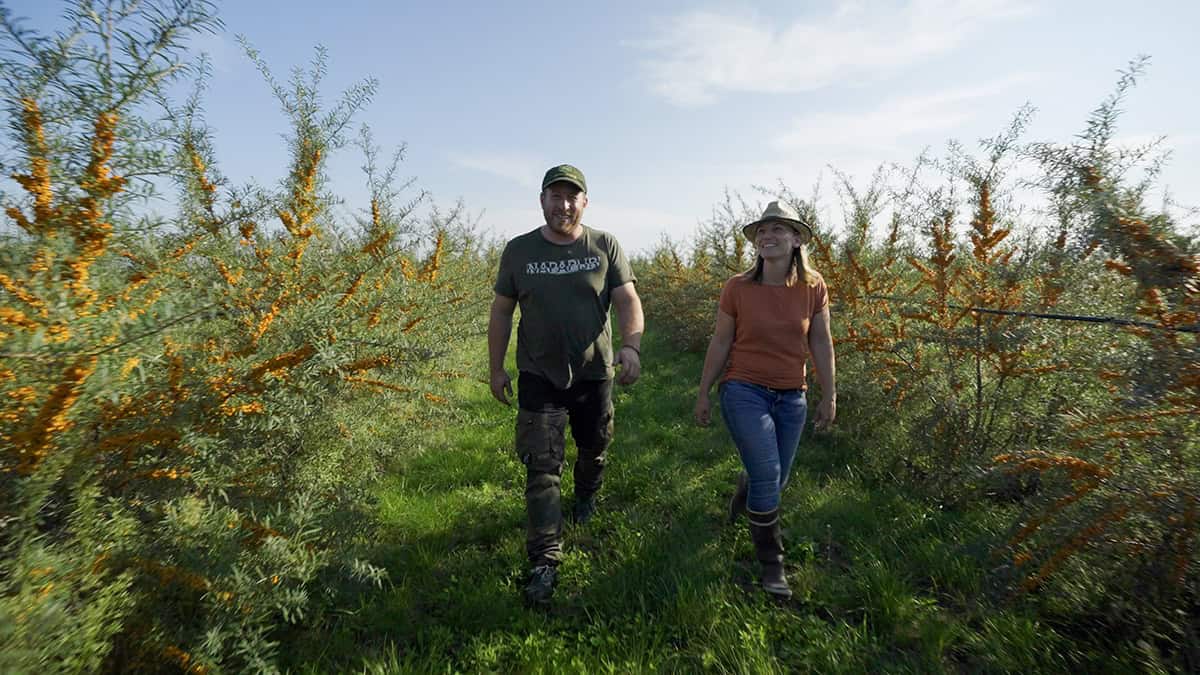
point(631, 323)
point(499, 331)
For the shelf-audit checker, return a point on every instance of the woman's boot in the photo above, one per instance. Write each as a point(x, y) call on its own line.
point(737, 503)
point(768, 546)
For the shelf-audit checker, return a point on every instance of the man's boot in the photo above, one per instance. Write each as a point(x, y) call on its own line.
point(737, 503)
point(768, 548)
point(583, 510)
point(589, 476)
point(540, 587)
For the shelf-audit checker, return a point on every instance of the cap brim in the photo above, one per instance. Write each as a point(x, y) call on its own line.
point(803, 228)
point(566, 180)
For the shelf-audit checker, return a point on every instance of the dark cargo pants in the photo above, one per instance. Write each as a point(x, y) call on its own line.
point(542, 422)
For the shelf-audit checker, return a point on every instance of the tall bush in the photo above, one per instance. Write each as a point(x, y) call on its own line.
point(991, 351)
point(168, 499)
point(1118, 510)
point(680, 287)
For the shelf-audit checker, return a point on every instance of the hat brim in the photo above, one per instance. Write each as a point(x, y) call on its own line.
point(566, 180)
point(802, 228)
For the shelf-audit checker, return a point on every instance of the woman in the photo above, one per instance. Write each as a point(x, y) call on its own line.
point(771, 320)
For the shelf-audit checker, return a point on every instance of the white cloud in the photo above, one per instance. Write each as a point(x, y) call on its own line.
point(885, 127)
point(523, 170)
point(701, 55)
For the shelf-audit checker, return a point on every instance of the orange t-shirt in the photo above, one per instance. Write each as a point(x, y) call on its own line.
point(770, 340)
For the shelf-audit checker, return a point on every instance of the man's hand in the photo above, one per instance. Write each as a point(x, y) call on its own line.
point(826, 411)
point(630, 363)
point(502, 386)
point(703, 412)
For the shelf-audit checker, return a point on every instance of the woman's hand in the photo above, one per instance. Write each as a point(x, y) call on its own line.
point(826, 411)
point(703, 412)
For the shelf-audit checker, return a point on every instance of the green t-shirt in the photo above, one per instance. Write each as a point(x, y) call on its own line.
point(564, 291)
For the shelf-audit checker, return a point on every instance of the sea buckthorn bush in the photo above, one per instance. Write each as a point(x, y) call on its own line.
point(170, 497)
point(975, 361)
point(1118, 510)
point(680, 287)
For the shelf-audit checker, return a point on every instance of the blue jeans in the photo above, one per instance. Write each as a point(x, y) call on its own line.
point(765, 424)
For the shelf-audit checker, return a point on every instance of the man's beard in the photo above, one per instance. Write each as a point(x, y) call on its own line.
point(566, 223)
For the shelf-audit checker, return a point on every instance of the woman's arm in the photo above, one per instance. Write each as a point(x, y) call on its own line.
point(820, 345)
point(714, 364)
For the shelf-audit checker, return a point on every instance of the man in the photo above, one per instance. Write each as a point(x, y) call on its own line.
point(564, 275)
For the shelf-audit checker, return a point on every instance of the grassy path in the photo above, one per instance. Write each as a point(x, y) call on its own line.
point(657, 580)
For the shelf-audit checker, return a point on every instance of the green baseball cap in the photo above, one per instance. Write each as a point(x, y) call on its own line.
point(565, 172)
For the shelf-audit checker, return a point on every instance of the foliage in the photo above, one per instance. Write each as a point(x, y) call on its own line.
point(677, 289)
point(884, 580)
point(195, 407)
point(969, 364)
point(169, 499)
point(1121, 510)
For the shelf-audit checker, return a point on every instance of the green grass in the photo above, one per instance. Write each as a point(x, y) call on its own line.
point(657, 580)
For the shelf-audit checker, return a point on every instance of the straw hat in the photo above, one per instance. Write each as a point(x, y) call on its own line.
point(784, 213)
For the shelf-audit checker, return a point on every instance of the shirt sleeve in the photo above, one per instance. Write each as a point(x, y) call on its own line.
point(728, 303)
point(820, 297)
point(505, 283)
point(619, 270)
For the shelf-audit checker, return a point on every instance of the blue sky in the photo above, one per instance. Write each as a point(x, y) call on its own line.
point(666, 105)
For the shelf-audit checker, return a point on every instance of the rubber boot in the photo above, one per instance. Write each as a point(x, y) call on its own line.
point(737, 503)
point(768, 547)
